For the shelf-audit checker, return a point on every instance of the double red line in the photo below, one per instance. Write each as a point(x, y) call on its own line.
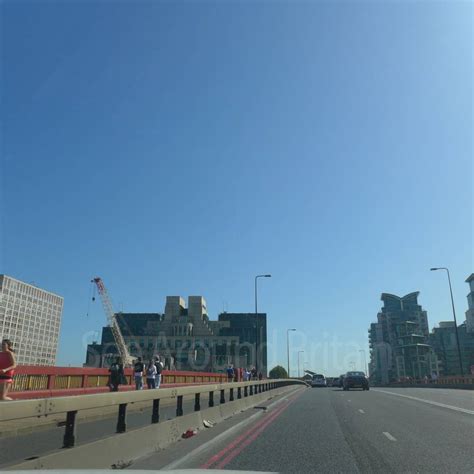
point(223, 457)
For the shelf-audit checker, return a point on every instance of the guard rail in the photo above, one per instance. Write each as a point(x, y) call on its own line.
point(70, 406)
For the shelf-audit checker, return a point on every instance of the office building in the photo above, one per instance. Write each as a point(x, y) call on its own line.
point(184, 337)
point(31, 318)
point(243, 325)
point(443, 340)
point(399, 341)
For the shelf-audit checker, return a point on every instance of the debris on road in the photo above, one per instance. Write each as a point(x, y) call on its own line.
point(188, 433)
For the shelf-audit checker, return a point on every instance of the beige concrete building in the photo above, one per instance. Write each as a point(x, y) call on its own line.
point(185, 337)
point(31, 318)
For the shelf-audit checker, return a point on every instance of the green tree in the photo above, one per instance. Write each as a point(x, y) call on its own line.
point(278, 372)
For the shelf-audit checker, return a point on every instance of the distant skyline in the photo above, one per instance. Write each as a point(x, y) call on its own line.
point(181, 148)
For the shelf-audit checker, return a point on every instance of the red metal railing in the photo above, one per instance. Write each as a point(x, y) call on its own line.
point(39, 382)
point(454, 380)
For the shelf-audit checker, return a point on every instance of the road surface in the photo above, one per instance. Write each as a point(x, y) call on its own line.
point(328, 430)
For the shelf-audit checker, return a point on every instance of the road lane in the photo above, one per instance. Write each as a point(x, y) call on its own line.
point(322, 431)
point(463, 399)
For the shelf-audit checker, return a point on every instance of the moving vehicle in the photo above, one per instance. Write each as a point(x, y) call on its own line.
point(318, 380)
point(337, 382)
point(355, 380)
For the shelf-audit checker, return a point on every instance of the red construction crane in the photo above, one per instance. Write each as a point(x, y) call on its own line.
point(113, 323)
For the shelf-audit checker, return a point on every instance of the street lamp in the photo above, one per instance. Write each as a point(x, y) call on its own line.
point(256, 320)
point(365, 362)
point(299, 352)
point(454, 316)
point(288, 348)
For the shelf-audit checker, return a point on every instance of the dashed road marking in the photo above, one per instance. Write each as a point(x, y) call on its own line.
point(361, 411)
point(389, 436)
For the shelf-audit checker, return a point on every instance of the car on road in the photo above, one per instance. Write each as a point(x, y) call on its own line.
point(355, 380)
point(318, 380)
point(337, 382)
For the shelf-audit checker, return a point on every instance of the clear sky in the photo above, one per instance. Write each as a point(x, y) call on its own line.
point(184, 147)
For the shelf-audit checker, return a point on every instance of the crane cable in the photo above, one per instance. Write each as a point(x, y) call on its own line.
point(91, 297)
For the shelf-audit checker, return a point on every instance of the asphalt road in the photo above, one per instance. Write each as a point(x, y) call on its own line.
point(15, 449)
point(327, 430)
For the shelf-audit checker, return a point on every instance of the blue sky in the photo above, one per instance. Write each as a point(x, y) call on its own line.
point(184, 147)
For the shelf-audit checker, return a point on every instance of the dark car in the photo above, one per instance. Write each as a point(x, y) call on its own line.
point(338, 381)
point(355, 380)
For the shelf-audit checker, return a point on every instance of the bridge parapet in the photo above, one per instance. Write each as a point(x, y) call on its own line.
point(228, 393)
point(41, 382)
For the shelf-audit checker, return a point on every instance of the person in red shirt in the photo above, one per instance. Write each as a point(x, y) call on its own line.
point(7, 368)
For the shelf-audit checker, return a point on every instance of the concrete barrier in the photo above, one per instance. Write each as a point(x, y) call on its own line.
point(120, 449)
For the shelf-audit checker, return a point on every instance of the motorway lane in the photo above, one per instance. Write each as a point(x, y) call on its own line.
point(18, 448)
point(328, 430)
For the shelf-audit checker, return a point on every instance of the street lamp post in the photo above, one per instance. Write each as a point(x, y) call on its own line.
point(299, 352)
point(365, 362)
point(256, 321)
point(454, 316)
point(288, 348)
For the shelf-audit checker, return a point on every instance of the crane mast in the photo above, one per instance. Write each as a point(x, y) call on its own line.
point(113, 323)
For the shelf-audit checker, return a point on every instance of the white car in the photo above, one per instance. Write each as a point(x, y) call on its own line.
point(318, 380)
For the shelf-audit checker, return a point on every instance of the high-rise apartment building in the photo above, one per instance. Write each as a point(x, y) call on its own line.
point(470, 305)
point(399, 341)
point(31, 318)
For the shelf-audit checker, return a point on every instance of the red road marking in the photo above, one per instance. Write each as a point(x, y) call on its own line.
point(247, 438)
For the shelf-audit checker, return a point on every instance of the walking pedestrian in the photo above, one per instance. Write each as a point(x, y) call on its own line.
point(138, 369)
point(7, 368)
point(151, 372)
point(116, 375)
point(247, 375)
point(260, 376)
point(230, 373)
point(253, 373)
point(159, 369)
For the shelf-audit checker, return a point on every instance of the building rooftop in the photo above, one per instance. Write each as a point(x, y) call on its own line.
point(470, 278)
point(31, 284)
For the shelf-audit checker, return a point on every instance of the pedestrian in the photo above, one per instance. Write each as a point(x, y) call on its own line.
point(151, 372)
point(248, 374)
point(7, 368)
point(138, 373)
point(254, 373)
point(230, 373)
point(260, 376)
point(116, 375)
point(159, 369)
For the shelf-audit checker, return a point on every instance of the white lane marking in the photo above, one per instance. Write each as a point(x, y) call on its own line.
point(389, 436)
point(429, 402)
point(349, 400)
point(362, 411)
